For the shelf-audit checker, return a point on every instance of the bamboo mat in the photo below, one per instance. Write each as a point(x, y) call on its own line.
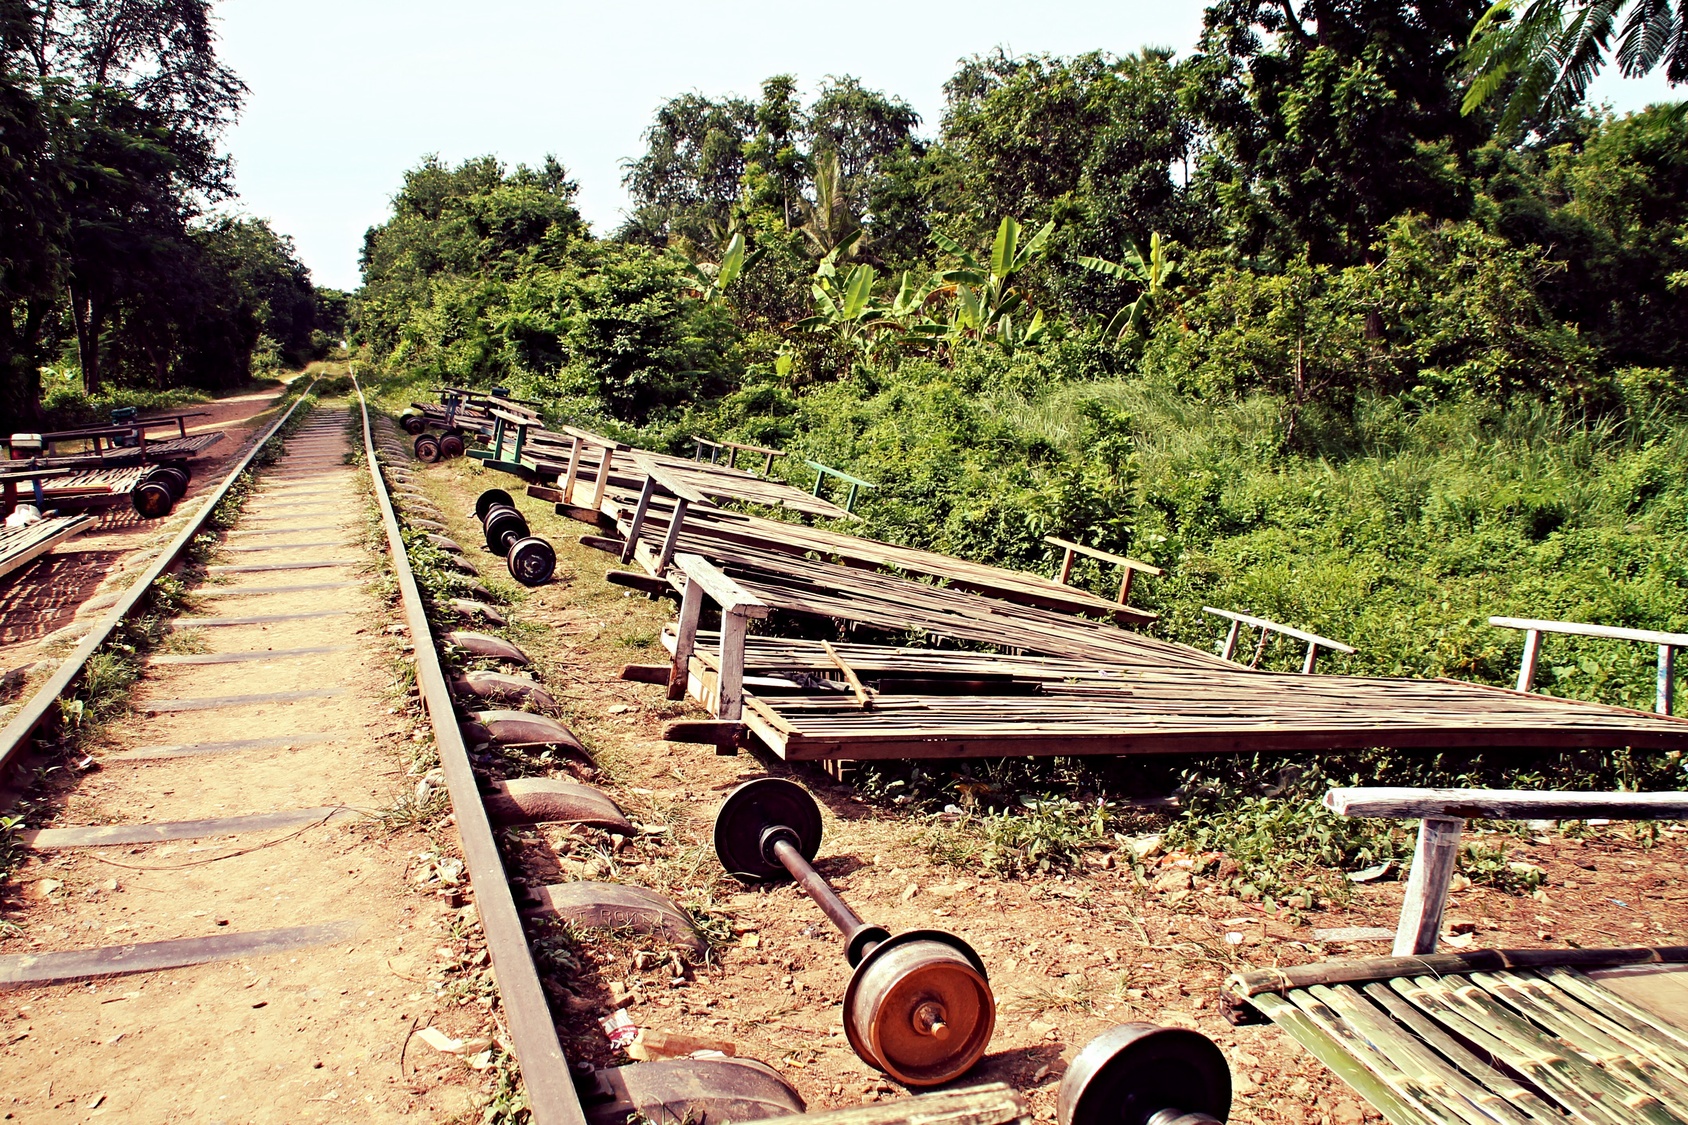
point(939, 704)
point(1517, 1046)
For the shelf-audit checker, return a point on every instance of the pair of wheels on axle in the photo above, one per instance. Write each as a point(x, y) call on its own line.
point(920, 1008)
point(430, 447)
point(531, 560)
point(159, 490)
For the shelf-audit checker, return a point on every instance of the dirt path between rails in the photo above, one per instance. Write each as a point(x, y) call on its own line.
point(319, 1033)
point(46, 597)
point(1068, 954)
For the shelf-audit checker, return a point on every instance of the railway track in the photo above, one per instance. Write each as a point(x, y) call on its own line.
point(227, 924)
point(225, 911)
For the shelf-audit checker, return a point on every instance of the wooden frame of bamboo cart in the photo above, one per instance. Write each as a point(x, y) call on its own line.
point(720, 689)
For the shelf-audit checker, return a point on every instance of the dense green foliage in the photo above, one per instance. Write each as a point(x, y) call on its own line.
point(110, 264)
point(1277, 315)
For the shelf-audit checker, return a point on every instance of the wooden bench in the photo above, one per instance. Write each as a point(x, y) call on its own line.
point(1129, 567)
point(734, 448)
point(1442, 814)
point(824, 471)
point(1267, 628)
point(1668, 643)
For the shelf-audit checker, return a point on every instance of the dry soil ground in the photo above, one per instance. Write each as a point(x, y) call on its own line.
point(1069, 954)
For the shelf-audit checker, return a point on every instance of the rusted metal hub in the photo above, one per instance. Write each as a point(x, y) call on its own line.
point(920, 1008)
point(919, 1005)
point(1141, 1074)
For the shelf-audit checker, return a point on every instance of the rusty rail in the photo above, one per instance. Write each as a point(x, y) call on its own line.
point(539, 1053)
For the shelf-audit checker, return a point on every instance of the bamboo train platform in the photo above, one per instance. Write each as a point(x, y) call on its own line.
point(1493, 1037)
point(801, 699)
point(1062, 676)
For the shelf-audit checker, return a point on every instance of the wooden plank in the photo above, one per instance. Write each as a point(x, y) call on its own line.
point(1435, 857)
point(24, 969)
point(728, 594)
point(730, 700)
point(1096, 553)
point(1577, 628)
point(1273, 626)
point(685, 640)
point(1505, 804)
point(864, 698)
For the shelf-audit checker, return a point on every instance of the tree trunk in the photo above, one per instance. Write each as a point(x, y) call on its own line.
point(89, 315)
point(1299, 395)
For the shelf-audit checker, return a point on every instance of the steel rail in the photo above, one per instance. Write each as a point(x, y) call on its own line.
point(544, 1068)
point(16, 734)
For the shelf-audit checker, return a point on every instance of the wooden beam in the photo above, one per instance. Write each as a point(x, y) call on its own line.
point(638, 523)
point(1264, 623)
point(730, 700)
point(709, 732)
point(675, 521)
point(634, 580)
point(1230, 648)
point(603, 480)
point(1505, 804)
point(1577, 628)
point(1103, 556)
point(572, 471)
point(728, 594)
point(685, 638)
point(1434, 859)
point(864, 697)
point(1527, 662)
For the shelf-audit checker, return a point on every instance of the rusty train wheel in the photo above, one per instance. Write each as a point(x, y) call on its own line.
point(920, 1008)
point(1141, 1074)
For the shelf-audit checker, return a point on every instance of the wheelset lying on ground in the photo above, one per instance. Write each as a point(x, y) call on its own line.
point(1141, 1074)
point(156, 495)
point(430, 448)
point(918, 1006)
point(530, 559)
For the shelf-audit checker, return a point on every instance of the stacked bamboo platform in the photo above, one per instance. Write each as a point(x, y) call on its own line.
point(922, 703)
point(1051, 671)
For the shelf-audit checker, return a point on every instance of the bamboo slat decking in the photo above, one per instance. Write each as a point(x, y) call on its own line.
point(20, 546)
point(1498, 1036)
point(715, 532)
point(936, 704)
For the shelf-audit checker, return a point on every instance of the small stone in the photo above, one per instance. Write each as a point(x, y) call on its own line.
point(1347, 1113)
point(910, 891)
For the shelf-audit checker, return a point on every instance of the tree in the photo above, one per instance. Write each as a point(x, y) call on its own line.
point(1327, 120)
point(1540, 61)
point(686, 183)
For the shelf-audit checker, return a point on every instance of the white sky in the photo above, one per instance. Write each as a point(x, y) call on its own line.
point(346, 95)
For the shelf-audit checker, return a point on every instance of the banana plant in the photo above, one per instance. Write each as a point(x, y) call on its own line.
point(986, 299)
point(1153, 268)
point(711, 287)
point(844, 305)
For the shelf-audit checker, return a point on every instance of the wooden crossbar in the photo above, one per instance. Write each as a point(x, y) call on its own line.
point(1129, 566)
point(1668, 643)
point(1267, 628)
